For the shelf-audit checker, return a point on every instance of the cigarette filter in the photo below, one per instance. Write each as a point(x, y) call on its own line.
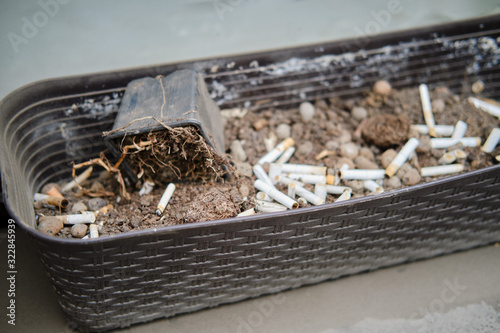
point(492, 141)
point(165, 198)
point(362, 174)
point(247, 212)
point(261, 174)
point(94, 231)
point(460, 129)
point(80, 178)
point(441, 143)
point(402, 157)
point(487, 107)
point(309, 196)
point(372, 186)
point(427, 110)
point(275, 194)
point(335, 189)
point(263, 196)
point(320, 191)
point(344, 196)
point(269, 207)
point(277, 151)
point(442, 130)
point(285, 157)
point(304, 169)
point(441, 170)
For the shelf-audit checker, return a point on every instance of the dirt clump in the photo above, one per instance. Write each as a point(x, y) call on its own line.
point(386, 130)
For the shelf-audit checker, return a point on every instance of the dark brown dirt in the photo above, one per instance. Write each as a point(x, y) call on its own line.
point(203, 198)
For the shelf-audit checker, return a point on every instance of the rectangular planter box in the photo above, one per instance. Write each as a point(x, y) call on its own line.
point(139, 276)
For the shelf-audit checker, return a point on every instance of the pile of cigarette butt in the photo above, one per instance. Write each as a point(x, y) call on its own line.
point(272, 170)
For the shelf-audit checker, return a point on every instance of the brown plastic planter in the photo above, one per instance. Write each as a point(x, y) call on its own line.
point(139, 276)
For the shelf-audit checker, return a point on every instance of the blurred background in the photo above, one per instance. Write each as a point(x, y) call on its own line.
point(51, 38)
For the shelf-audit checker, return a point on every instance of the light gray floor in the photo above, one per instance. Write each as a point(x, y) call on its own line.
point(88, 36)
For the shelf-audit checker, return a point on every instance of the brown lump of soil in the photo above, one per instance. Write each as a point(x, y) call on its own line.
point(386, 130)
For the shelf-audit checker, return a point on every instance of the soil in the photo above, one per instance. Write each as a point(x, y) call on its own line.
point(205, 195)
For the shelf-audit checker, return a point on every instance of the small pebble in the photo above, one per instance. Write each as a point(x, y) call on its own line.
point(79, 207)
point(403, 170)
point(382, 87)
point(259, 124)
point(96, 187)
point(393, 182)
point(50, 226)
point(359, 113)
point(283, 131)
point(304, 149)
point(356, 185)
point(437, 105)
point(349, 150)
point(387, 157)
point(79, 230)
point(135, 221)
point(363, 163)
point(424, 145)
point(411, 177)
point(367, 152)
point(96, 203)
point(237, 151)
point(345, 137)
point(332, 145)
point(306, 111)
point(244, 190)
point(341, 161)
point(477, 87)
point(437, 153)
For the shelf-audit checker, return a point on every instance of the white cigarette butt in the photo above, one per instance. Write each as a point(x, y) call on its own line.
point(304, 169)
point(275, 194)
point(269, 207)
point(291, 190)
point(442, 130)
point(261, 174)
point(441, 143)
point(302, 201)
point(487, 107)
point(441, 170)
point(94, 231)
point(447, 158)
point(276, 152)
point(274, 170)
point(459, 154)
point(334, 189)
point(80, 178)
point(362, 174)
point(247, 212)
point(460, 129)
point(147, 187)
point(306, 178)
point(309, 196)
point(263, 196)
point(285, 157)
point(165, 198)
point(320, 191)
point(344, 196)
point(79, 218)
point(372, 186)
point(492, 141)
point(402, 157)
point(427, 110)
